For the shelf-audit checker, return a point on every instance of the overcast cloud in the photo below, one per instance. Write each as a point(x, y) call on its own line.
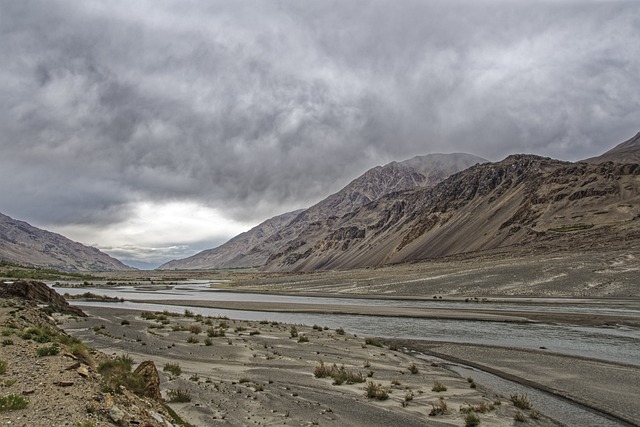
point(153, 129)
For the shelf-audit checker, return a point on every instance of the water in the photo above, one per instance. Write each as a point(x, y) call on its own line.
point(621, 344)
point(618, 345)
point(559, 409)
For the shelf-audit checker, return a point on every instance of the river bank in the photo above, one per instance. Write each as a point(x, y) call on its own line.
point(260, 373)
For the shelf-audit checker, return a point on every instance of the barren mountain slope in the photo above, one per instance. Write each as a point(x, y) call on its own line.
point(625, 152)
point(241, 251)
point(24, 244)
point(514, 202)
point(254, 247)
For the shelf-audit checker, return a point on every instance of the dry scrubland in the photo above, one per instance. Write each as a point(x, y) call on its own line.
point(266, 373)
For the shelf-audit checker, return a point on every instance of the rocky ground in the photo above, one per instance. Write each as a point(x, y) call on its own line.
point(55, 378)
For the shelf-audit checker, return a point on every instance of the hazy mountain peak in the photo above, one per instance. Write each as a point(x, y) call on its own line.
point(256, 246)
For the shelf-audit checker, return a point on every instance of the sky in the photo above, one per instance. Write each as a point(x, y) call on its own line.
point(156, 129)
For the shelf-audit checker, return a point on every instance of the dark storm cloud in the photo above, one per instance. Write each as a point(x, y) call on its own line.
point(261, 107)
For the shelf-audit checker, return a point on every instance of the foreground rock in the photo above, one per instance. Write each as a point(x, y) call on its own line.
point(38, 292)
point(47, 378)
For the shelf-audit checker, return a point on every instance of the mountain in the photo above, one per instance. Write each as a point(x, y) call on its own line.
point(254, 247)
point(21, 243)
point(522, 200)
point(241, 251)
point(626, 152)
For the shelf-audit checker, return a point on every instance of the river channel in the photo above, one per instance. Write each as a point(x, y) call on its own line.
point(616, 344)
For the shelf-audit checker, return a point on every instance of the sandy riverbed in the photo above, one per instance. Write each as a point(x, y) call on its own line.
point(258, 374)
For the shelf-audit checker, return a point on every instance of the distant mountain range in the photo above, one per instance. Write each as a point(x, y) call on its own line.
point(21, 243)
point(442, 205)
point(256, 246)
point(426, 207)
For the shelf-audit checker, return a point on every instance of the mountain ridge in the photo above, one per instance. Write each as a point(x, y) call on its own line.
point(247, 249)
point(24, 244)
point(487, 206)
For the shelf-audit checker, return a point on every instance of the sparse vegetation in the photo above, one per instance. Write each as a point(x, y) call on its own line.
point(471, 420)
point(179, 395)
point(340, 374)
point(519, 417)
point(376, 391)
point(521, 401)
point(413, 369)
point(12, 402)
point(293, 331)
point(51, 350)
point(173, 368)
point(303, 338)
point(439, 407)
point(339, 331)
point(117, 372)
point(373, 341)
point(3, 367)
point(438, 387)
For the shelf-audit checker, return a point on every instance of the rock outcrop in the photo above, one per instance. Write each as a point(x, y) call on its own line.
point(38, 292)
point(148, 371)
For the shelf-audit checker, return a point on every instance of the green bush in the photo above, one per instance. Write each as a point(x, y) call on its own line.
point(173, 368)
point(3, 367)
point(179, 395)
point(471, 420)
point(12, 402)
point(51, 350)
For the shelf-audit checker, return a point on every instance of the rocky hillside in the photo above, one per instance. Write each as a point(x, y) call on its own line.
point(21, 243)
point(518, 201)
point(254, 247)
point(51, 379)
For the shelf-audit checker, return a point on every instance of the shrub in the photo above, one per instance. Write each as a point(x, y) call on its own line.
point(340, 375)
point(519, 417)
point(339, 331)
point(293, 331)
point(376, 391)
point(12, 402)
point(373, 341)
point(117, 373)
point(471, 420)
point(3, 367)
point(193, 340)
point(179, 395)
point(303, 338)
point(252, 333)
point(195, 329)
point(51, 350)
point(413, 369)
point(439, 407)
point(173, 368)
point(125, 322)
point(208, 342)
point(188, 313)
point(7, 342)
point(521, 401)
point(438, 387)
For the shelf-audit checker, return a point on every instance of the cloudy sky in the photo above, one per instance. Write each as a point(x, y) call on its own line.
point(154, 129)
